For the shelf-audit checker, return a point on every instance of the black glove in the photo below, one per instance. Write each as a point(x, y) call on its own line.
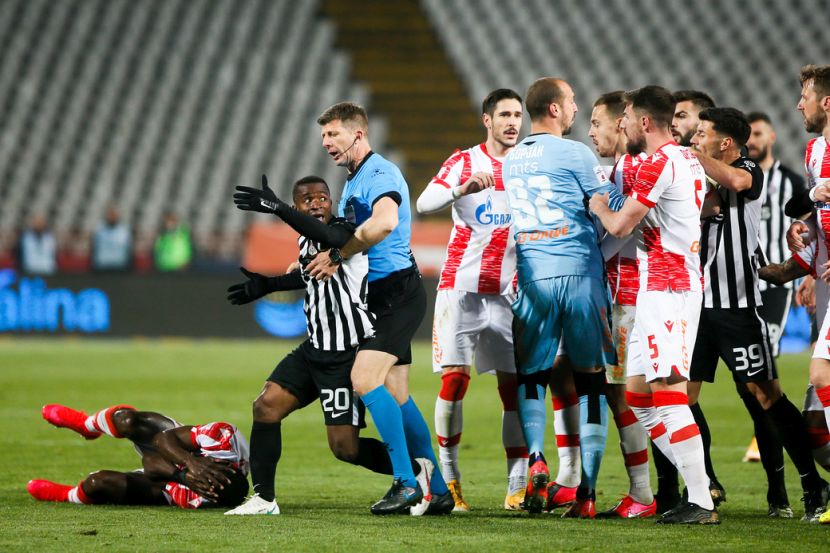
point(254, 288)
point(264, 201)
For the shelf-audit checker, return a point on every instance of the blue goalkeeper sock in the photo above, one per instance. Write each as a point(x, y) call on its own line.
point(419, 441)
point(388, 419)
point(593, 433)
point(532, 412)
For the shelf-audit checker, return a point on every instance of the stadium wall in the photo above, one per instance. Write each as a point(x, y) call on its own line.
point(154, 305)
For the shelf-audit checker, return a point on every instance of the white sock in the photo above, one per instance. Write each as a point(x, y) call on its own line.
point(566, 427)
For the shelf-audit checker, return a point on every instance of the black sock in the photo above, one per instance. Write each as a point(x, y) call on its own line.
point(706, 437)
point(772, 452)
point(593, 386)
point(372, 454)
point(666, 474)
point(785, 420)
point(266, 448)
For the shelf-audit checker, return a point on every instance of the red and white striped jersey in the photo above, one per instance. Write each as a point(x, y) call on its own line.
point(817, 165)
point(671, 183)
point(622, 269)
point(221, 440)
point(481, 255)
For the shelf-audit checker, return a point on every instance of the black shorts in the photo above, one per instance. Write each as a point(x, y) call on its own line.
point(739, 337)
point(776, 307)
point(309, 373)
point(399, 303)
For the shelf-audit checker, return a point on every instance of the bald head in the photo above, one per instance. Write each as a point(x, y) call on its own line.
point(542, 93)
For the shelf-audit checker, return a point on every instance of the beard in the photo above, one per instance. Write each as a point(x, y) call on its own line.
point(762, 154)
point(686, 139)
point(636, 144)
point(816, 123)
point(634, 149)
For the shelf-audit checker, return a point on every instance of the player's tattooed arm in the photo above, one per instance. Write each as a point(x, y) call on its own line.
point(781, 273)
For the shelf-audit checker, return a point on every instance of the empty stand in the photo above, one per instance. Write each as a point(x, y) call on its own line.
point(162, 104)
point(745, 54)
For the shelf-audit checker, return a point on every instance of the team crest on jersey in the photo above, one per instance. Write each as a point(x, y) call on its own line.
point(485, 215)
point(312, 250)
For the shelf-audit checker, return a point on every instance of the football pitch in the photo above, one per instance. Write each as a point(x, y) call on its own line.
point(325, 503)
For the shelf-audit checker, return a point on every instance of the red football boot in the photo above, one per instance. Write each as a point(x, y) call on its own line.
point(44, 490)
point(560, 496)
point(536, 495)
point(628, 508)
point(66, 417)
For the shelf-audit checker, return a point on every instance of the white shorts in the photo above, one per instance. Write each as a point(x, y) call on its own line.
point(665, 329)
point(622, 325)
point(822, 349)
point(811, 400)
point(470, 326)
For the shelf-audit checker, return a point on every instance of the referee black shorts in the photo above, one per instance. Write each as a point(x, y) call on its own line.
point(309, 373)
point(399, 303)
point(738, 336)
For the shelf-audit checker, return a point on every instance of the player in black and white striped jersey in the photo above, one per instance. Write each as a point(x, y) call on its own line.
point(780, 184)
point(730, 327)
point(338, 321)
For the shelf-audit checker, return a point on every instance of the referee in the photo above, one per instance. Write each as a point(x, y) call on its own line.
point(730, 327)
point(376, 199)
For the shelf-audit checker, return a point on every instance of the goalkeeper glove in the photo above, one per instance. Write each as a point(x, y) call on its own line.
point(252, 289)
point(264, 200)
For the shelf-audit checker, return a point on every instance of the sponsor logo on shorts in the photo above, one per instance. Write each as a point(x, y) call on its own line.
point(669, 325)
point(437, 354)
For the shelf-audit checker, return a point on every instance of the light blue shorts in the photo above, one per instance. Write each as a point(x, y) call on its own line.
point(573, 308)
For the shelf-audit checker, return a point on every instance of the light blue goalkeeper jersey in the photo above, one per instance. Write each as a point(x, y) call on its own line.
point(549, 181)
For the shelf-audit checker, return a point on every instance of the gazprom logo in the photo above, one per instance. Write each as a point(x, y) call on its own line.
point(33, 307)
point(485, 215)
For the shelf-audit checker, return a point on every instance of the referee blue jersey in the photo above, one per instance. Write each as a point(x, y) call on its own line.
point(377, 178)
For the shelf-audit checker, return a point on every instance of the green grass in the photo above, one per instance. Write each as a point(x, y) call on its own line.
point(324, 502)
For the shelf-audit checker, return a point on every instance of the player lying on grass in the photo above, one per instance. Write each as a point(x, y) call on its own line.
point(338, 321)
point(187, 466)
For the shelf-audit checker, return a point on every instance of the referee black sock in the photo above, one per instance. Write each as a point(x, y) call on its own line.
point(266, 448)
point(785, 420)
point(706, 437)
point(372, 454)
point(772, 452)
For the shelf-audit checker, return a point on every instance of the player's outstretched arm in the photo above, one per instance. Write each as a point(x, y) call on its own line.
point(265, 201)
point(736, 180)
point(781, 273)
point(378, 226)
point(800, 234)
point(259, 285)
point(618, 223)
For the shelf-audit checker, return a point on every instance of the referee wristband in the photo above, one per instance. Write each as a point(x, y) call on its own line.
point(456, 193)
point(812, 193)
